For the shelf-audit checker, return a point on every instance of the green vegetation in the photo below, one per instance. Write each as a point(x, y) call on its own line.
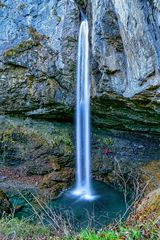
point(107, 141)
point(111, 235)
point(25, 45)
point(37, 37)
point(2, 4)
point(22, 6)
point(24, 230)
point(59, 19)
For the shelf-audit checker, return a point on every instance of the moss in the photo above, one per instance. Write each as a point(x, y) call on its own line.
point(16, 137)
point(20, 48)
point(61, 136)
point(107, 141)
point(18, 141)
point(54, 12)
point(24, 230)
point(7, 136)
point(37, 37)
point(59, 19)
point(30, 81)
point(116, 42)
point(2, 4)
point(118, 113)
point(21, 6)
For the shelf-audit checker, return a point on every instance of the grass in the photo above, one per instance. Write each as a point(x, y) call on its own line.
point(23, 230)
point(122, 233)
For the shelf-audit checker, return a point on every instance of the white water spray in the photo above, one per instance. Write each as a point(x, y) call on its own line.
point(83, 178)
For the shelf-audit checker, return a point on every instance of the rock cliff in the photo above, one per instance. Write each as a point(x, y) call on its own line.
point(38, 55)
point(38, 47)
point(125, 55)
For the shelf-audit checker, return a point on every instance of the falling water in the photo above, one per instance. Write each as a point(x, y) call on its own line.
point(83, 179)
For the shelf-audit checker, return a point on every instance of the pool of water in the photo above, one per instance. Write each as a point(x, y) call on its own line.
point(106, 206)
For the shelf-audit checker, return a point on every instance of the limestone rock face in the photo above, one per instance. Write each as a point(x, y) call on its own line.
point(37, 57)
point(125, 70)
point(38, 54)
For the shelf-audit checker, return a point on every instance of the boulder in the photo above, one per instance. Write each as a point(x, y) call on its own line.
point(57, 181)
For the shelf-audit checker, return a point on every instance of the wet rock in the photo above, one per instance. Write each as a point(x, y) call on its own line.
point(45, 150)
point(57, 181)
point(5, 205)
point(54, 191)
point(64, 175)
point(38, 169)
point(40, 148)
point(129, 163)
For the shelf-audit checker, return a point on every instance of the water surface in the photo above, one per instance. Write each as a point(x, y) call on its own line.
point(107, 206)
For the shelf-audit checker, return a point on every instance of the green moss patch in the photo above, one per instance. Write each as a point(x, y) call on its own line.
point(20, 48)
point(2, 4)
point(36, 36)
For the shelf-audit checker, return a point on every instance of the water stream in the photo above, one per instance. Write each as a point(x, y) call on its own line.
point(83, 166)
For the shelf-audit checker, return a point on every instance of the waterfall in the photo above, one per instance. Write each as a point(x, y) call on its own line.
point(83, 166)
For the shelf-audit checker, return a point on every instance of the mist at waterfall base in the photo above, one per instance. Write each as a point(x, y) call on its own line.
point(95, 213)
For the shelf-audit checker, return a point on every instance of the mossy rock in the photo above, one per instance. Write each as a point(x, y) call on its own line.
point(23, 46)
point(2, 4)
point(36, 36)
point(39, 145)
point(57, 181)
